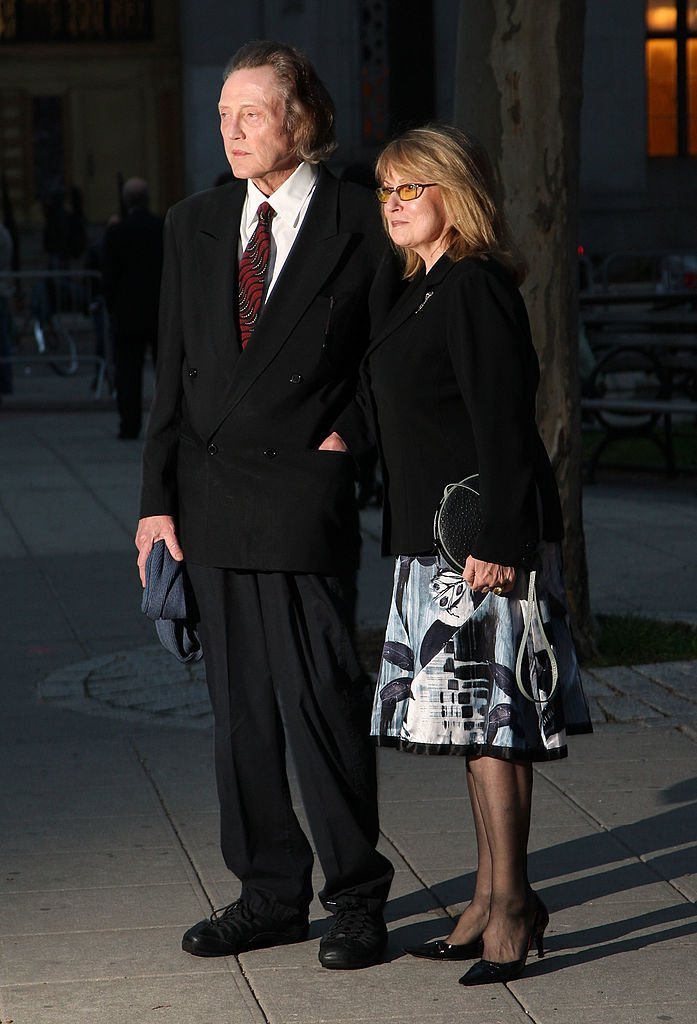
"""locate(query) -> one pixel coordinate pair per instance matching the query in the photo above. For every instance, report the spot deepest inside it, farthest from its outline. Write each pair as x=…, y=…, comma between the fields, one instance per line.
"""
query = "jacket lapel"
x=315, y=253
x=412, y=301
x=216, y=261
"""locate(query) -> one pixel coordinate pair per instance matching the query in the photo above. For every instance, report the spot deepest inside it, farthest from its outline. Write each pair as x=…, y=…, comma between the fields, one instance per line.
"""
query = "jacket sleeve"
x=496, y=367
x=356, y=424
x=159, y=486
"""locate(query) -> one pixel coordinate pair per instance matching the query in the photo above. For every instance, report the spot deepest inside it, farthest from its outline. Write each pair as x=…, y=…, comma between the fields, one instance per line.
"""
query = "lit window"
x=671, y=77
x=69, y=21
x=661, y=16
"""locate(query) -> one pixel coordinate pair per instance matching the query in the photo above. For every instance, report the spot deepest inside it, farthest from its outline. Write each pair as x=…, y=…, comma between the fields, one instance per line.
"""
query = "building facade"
x=639, y=126
x=93, y=89
x=89, y=91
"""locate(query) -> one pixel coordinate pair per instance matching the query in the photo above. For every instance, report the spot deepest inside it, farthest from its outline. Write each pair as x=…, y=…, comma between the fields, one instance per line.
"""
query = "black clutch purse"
x=457, y=521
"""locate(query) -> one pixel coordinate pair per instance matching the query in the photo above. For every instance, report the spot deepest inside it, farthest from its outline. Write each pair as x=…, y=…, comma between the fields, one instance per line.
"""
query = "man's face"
x=251, y=124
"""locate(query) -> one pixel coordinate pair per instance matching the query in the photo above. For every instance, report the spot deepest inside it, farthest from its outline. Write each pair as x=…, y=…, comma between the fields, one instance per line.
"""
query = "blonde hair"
x=459, y=165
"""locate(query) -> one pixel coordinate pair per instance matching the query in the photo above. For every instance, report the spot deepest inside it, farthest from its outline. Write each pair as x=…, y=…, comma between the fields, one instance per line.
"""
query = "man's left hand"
x=333, y=443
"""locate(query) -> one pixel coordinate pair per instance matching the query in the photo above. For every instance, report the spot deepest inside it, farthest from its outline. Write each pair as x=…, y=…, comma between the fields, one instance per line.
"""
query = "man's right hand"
x=150, y=530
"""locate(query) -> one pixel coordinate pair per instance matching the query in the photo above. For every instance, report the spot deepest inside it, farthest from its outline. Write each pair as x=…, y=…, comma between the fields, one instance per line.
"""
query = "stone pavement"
x=109, y=844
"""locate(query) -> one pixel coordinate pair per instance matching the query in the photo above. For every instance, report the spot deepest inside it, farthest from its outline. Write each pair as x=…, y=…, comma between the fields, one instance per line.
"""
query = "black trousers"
x=130, y=348
x=282, y=674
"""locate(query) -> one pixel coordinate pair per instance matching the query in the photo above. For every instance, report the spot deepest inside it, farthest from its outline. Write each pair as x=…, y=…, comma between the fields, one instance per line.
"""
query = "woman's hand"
x=488, y=576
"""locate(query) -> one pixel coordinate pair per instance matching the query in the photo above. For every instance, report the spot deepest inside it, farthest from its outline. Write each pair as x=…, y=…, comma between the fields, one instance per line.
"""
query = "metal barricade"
x=586, y=274
x=56, y=319
x=658, y=270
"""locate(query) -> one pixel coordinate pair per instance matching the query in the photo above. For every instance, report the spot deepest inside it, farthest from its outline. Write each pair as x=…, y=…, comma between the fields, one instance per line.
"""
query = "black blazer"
x=451, y=381
x=132, y=268
x=231, y=447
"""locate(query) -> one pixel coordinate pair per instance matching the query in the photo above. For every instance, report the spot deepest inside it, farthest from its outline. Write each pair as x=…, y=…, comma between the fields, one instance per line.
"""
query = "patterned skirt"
x=447, y=681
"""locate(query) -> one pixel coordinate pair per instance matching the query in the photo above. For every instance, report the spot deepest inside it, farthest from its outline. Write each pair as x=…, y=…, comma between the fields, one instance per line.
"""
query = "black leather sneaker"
x=236, y=929
x=356, y=938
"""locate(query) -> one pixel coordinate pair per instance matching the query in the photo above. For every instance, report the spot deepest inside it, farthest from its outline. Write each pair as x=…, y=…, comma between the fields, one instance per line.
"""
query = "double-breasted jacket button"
x=193, y=372
x=212, y=449
x=270, y=453
x=296, y=378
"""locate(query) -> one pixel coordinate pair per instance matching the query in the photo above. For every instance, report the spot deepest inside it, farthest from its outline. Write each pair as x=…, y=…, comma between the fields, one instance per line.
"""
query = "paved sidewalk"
x=109, y=844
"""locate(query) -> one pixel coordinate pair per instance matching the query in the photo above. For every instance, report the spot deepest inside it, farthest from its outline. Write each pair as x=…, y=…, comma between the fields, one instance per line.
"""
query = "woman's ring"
x=498, y=591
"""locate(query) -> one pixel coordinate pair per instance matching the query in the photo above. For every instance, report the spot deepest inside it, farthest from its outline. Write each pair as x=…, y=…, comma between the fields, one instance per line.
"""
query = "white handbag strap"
x=533, y=608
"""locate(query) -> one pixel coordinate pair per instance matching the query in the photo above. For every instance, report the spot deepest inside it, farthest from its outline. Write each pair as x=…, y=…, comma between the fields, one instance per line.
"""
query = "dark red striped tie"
x=253, y=266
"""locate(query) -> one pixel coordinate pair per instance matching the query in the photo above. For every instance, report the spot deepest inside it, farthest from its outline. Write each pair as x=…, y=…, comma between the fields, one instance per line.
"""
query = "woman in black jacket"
x=451, y=379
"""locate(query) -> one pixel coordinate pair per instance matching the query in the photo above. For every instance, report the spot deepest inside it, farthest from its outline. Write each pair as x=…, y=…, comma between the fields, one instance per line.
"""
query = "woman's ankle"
x=470, y=924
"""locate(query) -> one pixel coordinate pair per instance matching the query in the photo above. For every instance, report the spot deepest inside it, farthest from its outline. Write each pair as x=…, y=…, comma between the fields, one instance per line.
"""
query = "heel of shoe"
x=539, y=927
x=487, y=972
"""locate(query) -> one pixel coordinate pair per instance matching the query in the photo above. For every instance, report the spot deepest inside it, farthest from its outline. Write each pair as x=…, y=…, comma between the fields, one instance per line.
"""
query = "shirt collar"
x=288, y=200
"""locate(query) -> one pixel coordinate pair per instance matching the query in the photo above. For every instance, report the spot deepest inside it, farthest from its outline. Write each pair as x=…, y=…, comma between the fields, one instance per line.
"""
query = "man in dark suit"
x=271, y=287
x=132, y=267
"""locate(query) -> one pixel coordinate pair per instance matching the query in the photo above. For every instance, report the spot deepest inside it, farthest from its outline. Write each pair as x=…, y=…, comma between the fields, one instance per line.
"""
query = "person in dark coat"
x=272, y=285
x=450, y=382
x=6, y=295
x=132, y=268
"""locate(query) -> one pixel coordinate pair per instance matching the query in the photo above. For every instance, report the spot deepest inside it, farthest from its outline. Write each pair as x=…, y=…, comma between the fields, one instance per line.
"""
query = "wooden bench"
x=637, y=417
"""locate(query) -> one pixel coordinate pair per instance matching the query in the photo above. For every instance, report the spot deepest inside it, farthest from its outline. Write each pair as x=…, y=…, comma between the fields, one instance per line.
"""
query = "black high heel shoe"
x=486, y=972
x=447, y=951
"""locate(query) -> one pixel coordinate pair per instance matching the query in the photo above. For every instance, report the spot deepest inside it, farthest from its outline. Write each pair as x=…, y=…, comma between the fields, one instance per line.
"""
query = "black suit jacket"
x=451, y=381
x=231, y=448
x=132, y=268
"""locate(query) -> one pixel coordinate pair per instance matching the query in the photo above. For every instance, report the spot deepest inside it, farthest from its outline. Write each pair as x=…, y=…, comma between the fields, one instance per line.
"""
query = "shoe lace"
x=351, y=921
x=231, y=913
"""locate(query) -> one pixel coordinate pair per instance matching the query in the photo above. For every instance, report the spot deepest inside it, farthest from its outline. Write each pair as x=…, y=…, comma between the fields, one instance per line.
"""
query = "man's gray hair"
x=309, y=109
x=135, y=194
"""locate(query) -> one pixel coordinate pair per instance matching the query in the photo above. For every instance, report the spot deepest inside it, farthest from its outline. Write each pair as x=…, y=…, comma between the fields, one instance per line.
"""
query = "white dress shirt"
x=290, y=203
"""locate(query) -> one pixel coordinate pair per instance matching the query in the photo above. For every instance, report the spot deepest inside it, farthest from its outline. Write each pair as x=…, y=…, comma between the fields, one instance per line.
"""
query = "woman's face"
x=418, y=224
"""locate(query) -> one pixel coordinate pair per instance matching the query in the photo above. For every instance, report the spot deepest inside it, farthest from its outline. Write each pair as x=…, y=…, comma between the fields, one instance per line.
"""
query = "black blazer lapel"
x=311, y=261
x=216, y=261
x=412, y=301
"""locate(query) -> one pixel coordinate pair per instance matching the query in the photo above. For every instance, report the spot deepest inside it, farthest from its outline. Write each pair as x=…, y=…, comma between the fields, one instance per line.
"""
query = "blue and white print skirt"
x=447, y=680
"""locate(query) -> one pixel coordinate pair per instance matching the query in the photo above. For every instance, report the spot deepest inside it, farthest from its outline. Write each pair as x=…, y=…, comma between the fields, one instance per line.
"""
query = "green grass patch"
x=622, y=640
x=633, y=640
x=641, y=452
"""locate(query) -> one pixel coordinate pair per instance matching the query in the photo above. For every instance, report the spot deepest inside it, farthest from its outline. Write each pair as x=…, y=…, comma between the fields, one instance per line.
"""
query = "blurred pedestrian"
x=94, y=261
x=6, y=250
x=56, y=237
x=77, y=225
x=64, y=241
x=132, y=265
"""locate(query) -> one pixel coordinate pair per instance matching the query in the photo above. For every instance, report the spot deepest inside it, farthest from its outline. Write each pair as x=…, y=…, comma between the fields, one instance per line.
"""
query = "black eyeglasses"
x=405, y=192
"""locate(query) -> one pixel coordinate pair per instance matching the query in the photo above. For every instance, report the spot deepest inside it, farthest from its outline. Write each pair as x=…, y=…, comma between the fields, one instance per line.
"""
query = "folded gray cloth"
x=169, y=600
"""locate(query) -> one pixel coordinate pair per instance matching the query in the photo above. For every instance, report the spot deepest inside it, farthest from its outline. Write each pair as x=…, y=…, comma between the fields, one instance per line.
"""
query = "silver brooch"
x=427, y=296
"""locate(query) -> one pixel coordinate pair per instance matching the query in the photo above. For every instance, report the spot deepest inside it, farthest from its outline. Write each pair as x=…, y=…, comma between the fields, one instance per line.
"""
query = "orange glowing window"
x=671, y=77
x=661, y=97
x=692, y=97
x=74, y=21
x=661, y=16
